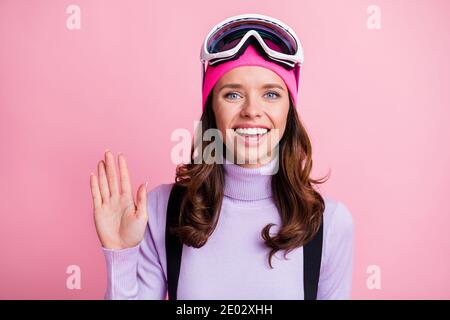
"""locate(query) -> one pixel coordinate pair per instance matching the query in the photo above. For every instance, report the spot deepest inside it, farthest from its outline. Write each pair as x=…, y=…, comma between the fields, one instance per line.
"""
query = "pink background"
x=375, y=102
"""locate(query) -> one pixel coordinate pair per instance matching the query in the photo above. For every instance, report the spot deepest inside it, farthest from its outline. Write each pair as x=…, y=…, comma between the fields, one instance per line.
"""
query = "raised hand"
x=119, y=220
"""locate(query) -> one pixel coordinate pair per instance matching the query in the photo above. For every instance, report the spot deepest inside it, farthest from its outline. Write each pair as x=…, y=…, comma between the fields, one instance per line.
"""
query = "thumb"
x=142, y=201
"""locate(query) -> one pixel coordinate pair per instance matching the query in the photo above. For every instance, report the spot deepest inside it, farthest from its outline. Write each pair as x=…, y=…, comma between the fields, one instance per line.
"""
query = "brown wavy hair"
x=299, y=204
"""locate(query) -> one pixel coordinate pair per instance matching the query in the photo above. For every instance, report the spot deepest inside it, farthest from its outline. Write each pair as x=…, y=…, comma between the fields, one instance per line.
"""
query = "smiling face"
x=251, y=105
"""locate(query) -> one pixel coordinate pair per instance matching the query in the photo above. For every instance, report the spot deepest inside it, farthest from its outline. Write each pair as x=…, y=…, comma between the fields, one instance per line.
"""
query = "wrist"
x=119, y=245
x=113, y=245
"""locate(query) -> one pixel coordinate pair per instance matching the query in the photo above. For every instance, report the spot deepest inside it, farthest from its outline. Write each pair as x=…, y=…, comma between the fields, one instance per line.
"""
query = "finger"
x=111, y=173
x=95, y=190
x=104, y=189
x=142, y=201
x=124, y=176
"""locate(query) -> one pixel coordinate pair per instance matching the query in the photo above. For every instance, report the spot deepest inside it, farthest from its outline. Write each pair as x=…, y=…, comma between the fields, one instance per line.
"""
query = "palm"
x=119, y=220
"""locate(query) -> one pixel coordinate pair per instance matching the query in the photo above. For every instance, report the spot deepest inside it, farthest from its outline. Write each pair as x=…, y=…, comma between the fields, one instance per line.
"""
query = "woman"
x=245, y=221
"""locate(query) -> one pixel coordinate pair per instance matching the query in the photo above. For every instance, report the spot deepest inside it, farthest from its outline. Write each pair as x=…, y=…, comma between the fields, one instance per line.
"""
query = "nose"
x=251, y=108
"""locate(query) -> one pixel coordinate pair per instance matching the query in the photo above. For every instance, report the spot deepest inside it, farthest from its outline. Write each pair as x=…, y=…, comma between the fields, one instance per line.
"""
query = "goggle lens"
x=277, y=40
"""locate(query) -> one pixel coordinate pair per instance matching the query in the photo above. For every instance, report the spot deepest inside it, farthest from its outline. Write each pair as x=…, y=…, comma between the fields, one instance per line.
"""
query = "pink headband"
x=251, y=57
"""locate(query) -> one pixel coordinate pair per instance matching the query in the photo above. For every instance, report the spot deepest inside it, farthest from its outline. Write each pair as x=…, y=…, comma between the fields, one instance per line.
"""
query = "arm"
x=136, y=273
x=336, y=273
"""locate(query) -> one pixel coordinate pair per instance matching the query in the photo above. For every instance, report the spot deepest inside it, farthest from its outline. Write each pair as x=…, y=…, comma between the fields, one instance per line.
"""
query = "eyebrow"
x=238, y=86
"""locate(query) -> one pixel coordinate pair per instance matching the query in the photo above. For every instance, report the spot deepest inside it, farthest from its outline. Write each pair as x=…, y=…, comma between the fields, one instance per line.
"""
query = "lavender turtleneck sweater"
x=233, y=263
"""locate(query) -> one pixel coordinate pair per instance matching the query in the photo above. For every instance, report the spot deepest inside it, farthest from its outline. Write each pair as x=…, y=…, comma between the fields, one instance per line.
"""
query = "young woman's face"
x=257, y=99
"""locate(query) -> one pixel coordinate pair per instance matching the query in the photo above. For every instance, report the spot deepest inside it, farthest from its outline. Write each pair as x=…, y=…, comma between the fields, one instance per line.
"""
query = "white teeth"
x=251, y=131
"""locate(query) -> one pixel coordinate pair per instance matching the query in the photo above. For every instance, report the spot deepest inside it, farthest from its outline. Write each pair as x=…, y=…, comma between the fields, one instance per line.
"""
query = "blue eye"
x=231, y=93
x=273, y=92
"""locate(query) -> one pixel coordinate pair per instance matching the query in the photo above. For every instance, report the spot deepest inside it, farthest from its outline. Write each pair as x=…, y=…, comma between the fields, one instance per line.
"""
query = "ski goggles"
x=226, y=39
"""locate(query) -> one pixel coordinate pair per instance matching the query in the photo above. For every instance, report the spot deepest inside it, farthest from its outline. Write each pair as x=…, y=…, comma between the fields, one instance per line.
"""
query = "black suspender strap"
x=173, y=244
x=312, y=256
x=312, y=251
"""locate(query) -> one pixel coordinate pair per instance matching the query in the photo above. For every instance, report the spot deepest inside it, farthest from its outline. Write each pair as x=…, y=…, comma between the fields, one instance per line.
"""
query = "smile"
x=251, y=132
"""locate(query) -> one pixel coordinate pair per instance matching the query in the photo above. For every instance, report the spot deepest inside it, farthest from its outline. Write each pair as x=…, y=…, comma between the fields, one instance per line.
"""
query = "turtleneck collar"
x=248, y=183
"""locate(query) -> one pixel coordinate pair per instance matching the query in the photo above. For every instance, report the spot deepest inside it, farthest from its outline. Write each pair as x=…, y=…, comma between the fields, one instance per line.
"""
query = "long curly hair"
x=300, y=206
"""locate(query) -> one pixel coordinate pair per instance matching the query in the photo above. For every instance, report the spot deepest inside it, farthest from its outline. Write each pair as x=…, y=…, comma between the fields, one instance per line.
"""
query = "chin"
x=251, y=156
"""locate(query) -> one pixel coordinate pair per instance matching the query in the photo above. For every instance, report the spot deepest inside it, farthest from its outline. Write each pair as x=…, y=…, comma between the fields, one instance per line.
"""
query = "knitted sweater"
x=233, y=263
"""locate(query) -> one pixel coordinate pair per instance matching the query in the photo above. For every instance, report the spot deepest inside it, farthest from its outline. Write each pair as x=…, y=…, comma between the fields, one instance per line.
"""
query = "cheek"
x=222, y=126
x=224, y=116
x=223, y=121
x=279, y=120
